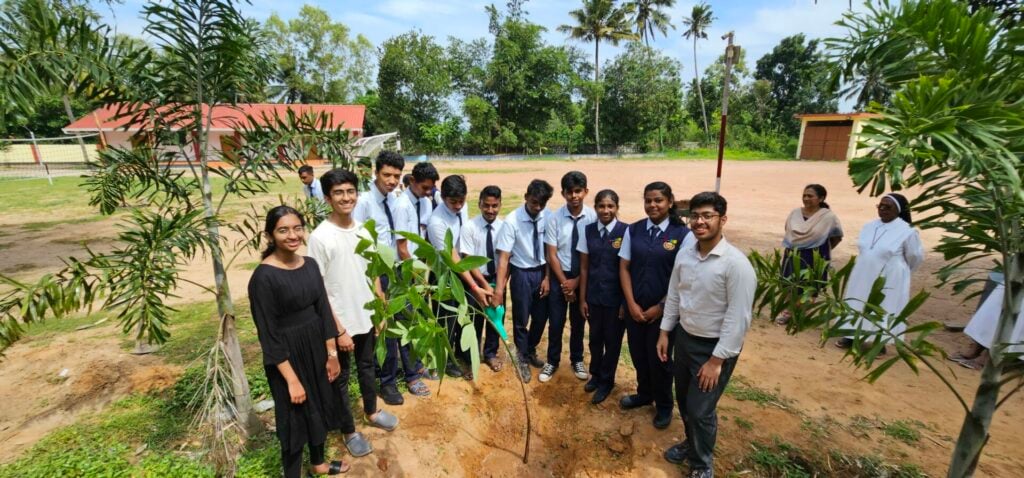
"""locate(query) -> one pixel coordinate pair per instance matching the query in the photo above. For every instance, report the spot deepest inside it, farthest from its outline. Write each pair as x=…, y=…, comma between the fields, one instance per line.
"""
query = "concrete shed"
x=830, y=136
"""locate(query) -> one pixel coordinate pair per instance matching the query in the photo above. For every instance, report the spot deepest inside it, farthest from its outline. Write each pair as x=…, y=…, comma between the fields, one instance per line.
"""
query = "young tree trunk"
x=974, y=432
x=597, y=98
x=700, y=93
x=228, y=336
x=71, y=119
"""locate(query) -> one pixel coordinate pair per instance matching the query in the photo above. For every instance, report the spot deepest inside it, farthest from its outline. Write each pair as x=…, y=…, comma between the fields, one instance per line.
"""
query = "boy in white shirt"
x=333, y=245
x=479, y=236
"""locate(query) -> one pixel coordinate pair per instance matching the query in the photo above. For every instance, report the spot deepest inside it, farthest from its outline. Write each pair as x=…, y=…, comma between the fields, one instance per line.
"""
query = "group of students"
x=681, y=295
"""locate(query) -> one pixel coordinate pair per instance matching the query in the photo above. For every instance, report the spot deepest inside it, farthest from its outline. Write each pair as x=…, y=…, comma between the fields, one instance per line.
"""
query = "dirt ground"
x=477, y=429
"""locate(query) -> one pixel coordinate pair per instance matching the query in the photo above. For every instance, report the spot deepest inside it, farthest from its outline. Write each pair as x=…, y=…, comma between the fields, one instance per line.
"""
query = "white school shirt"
x=412, y=204
x=442, y=220
x=474, y=239
x=516, y=238
x=711, y=297
x=582, y=246
x=344, y=273
x=314, y=190
x=371, y=206
x=558, y=232
x=625, y=252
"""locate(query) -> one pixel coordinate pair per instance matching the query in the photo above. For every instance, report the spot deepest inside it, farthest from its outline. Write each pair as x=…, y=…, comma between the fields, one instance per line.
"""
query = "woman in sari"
x=810, y=229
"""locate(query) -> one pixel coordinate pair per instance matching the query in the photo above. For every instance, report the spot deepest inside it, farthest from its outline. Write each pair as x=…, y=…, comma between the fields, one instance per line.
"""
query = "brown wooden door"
x=826, y=140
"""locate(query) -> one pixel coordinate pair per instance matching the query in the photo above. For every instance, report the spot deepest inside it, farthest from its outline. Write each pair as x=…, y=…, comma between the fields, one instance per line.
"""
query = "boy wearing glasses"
x=708, y=309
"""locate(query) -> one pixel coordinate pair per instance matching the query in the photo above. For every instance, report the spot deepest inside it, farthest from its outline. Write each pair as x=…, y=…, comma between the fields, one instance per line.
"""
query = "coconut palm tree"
x=598, y=21
x=649, y=18
x=696, y=27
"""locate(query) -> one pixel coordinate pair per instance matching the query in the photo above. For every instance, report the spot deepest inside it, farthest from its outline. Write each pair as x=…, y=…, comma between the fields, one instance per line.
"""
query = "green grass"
x=743, y=423
x=908, y=432
x=739, y=389
x=782, y=459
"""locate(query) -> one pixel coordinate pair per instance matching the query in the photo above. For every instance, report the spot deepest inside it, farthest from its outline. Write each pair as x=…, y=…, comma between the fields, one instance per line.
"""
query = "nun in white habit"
x=982, y=330
x=891, y=248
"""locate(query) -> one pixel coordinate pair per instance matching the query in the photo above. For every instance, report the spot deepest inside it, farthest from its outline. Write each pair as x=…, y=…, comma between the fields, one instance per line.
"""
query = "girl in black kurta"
x=297, y=333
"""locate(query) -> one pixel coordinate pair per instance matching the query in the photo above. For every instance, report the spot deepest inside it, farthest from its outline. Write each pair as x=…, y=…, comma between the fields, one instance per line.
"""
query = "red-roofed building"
x=225, y=121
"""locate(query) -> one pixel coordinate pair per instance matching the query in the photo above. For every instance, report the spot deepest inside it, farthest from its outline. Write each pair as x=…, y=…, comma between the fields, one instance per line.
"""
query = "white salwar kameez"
x=891, y=250
x=982, y=327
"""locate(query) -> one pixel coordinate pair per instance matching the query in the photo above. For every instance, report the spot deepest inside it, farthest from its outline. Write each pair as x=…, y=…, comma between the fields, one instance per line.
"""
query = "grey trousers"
x=698, y=408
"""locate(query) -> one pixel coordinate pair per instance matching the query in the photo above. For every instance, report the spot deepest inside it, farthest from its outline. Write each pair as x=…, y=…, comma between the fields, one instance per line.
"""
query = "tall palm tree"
x=597, y=21
x=649, y=18
x=696, y=27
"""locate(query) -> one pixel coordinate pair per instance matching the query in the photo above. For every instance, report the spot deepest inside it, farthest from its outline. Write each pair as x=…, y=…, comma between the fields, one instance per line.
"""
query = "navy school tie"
x=574, y=262
x=491, y=268
x=536, y=240
x=391, y=219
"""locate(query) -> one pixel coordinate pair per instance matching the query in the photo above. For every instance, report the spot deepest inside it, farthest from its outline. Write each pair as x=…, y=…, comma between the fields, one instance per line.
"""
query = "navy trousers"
x=557, y=325
x=698, y=409
x=485, y=331
x=529, y=309
x=606, y=330
x=653, y=377
x=388, y=371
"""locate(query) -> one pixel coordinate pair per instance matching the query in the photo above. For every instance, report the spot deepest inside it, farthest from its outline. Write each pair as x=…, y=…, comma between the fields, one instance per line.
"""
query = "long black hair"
x=820, y=191
x=904, y=205
x=273, y=216
x=666, y=190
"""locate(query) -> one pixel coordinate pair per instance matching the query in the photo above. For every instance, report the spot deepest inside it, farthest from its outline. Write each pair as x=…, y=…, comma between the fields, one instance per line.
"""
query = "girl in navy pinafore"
x=601, y=292
x=648, y=253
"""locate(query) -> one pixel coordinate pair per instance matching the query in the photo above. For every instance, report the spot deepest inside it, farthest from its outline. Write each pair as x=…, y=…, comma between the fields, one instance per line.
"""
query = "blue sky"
x=758, y=24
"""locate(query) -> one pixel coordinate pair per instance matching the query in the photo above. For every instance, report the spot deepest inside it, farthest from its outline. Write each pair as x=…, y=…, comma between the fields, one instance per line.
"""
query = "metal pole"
x=731, y=53
x=39, y=158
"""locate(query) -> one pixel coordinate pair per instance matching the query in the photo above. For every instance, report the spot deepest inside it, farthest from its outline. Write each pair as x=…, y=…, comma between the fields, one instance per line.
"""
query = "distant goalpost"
x=36, y=158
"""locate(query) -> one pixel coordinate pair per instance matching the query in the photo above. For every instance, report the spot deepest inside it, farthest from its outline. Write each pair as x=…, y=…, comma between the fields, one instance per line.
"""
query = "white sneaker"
x=580, y=370
x=547, y=372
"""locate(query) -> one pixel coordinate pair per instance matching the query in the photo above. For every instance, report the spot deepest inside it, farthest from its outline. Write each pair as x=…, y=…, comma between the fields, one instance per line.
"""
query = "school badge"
x=617, y=243
x=670, y=245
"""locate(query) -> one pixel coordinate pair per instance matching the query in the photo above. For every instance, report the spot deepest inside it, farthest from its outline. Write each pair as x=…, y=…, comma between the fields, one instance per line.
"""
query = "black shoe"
x=452, y=369
x=590, y=386
x=535, y=361
x=663, y=419
x=630, y=402
x=702, y=473
x=601, y=394
x=844, y=343
x=677, y=453
x=391, y=395
x=524, y=371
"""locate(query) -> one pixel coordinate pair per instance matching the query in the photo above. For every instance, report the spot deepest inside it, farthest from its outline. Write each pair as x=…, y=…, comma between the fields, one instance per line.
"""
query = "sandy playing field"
x=808, y=397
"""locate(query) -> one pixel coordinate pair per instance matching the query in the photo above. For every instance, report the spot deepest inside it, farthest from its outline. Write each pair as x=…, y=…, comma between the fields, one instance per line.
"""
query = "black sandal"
x=335, y=468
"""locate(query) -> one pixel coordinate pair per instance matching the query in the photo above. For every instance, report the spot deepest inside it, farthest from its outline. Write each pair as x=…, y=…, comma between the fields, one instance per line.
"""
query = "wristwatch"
x=332, y=353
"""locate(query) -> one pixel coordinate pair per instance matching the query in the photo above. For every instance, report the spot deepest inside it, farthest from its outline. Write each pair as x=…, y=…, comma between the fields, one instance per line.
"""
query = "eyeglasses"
x=284, y=230
x=706, y=217
x=883, y=207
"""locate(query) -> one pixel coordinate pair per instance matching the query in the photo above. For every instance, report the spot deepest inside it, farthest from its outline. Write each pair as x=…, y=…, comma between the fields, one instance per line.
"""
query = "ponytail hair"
x=674, y=216
x=274, y=215
x=903, y=204
x=821, y=192
x=606, y=193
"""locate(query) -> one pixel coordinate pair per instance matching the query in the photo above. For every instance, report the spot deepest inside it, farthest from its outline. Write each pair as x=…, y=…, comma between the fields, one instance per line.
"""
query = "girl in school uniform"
x=601, y=293
x=648, y=252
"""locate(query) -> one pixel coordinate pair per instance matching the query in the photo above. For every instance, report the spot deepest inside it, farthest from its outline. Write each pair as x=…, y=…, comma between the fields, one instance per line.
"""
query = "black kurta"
x=294, y=321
